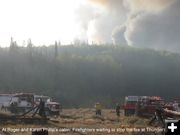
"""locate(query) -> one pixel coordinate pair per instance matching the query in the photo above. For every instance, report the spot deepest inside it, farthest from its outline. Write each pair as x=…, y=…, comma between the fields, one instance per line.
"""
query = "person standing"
x=42, y=108
x=137, y=110
x=158, y=115
x=176, y=106
x=118, y=109
x=98, y=108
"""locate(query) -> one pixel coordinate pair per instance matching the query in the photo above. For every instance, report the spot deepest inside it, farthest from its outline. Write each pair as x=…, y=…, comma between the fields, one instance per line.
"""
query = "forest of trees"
x=80, y=75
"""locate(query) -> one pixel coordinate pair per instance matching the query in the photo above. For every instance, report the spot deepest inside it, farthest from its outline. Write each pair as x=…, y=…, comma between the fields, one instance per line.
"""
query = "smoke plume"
x=155, y=28
x=141, y=23
x=104, y=17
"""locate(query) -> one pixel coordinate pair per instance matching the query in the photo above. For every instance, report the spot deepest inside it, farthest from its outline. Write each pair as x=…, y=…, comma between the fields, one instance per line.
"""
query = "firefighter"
x=42, y=108
x=118, y=109
x=14, y=108
x=159, y=115
x=2, y=107
x=138, y=107
x=98, y=108
x=176, y=107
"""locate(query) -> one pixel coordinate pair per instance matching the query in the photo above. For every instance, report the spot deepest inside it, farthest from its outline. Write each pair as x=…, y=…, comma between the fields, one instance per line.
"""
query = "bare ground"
x=84, y=122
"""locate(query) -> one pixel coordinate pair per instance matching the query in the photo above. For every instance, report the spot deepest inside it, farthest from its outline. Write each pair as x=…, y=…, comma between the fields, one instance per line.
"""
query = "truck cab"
x=51, y=107
x=130, y=105
x=21, y=102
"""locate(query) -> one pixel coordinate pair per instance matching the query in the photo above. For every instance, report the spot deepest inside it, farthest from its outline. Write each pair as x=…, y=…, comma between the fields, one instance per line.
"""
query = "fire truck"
x=51, y=107
x=20, y=103
x=143, y=105
x=5, y=100
x=147, y=105
x=130, y=105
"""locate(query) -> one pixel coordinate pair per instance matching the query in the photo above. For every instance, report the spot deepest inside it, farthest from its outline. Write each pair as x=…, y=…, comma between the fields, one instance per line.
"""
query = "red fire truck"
x=142, y=105
x=148, y=104
x=130, y=105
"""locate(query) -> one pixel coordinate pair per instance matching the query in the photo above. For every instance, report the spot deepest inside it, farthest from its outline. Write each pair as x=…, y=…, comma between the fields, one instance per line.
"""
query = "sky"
x=44, y=21
x=139, y=23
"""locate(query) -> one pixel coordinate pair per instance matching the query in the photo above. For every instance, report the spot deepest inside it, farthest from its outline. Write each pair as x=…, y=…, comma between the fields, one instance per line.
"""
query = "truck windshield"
x=130, y=102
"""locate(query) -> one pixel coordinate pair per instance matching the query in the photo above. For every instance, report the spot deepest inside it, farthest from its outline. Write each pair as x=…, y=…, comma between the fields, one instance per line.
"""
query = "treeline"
x=79, y=76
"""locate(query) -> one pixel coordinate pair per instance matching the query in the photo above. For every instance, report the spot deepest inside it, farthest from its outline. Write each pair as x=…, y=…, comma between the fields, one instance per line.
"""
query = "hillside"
x=81, y=75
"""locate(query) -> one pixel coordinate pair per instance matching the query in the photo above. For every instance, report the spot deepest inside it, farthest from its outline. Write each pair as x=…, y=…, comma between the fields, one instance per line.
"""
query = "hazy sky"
x=141, y=23
x=44, y=21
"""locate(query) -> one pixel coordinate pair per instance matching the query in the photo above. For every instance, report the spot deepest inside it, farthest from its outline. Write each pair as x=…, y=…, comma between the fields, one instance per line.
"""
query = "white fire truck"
x=5, y=100
x=22, y=102
x=51, y=107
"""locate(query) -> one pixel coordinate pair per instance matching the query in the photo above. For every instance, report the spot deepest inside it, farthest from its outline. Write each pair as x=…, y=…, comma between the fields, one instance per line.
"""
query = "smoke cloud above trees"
x=139, y=23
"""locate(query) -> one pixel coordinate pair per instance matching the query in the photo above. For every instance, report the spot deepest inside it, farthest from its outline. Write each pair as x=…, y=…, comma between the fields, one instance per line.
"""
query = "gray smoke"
x=85, y=14
x=103, y=20
x=118, y=35
x=156, y=30
x=141, y=23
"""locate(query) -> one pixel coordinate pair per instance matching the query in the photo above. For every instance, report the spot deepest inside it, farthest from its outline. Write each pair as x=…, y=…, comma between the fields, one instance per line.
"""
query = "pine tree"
x=13, y=46
x=30, y=50
x=56, y=50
